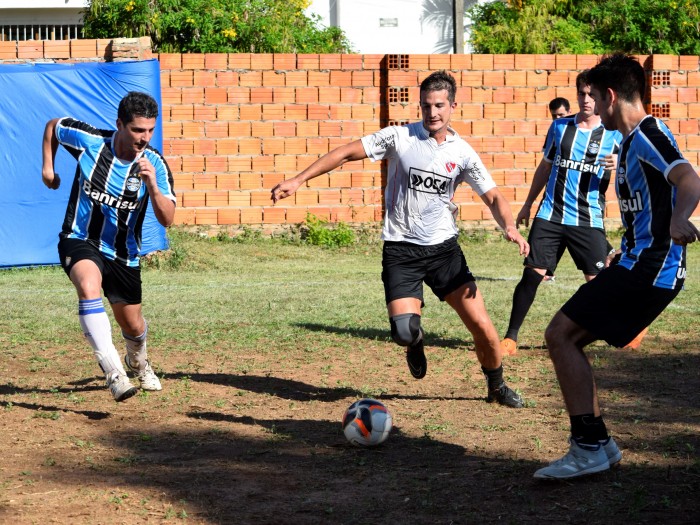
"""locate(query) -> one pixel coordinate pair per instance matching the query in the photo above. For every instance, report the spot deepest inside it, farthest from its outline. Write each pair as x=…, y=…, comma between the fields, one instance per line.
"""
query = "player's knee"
x=405, y=329
x=556, y=337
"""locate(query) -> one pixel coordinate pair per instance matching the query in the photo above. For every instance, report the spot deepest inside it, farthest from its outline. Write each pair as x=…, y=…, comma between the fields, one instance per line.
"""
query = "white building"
x=372, y=26
x=40, y=19
x=393, y=26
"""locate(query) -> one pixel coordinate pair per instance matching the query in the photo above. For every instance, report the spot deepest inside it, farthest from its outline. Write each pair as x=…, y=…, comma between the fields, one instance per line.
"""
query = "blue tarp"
x=31, y=94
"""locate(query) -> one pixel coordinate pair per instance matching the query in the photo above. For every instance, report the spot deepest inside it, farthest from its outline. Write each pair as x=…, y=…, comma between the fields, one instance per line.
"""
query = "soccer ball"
x=367, y=423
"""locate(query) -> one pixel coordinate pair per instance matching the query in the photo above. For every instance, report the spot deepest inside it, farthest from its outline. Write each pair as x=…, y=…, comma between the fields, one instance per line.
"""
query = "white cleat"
x=120, y=387
x=147, y=377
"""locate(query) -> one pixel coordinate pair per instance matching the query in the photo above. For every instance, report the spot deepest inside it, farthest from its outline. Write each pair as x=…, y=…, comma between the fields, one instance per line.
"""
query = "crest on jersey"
x=450, y=166
x=620, y=174
x=133, y=183
x=594, y=148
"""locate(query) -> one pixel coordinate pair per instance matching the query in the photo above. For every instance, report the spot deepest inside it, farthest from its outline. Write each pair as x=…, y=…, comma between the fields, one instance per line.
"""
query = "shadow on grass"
x=296, y=468
x=47, y=409
x=296, y=390
x=10, y=390
x=243, y=469
x=85, y=385
x=373, y=334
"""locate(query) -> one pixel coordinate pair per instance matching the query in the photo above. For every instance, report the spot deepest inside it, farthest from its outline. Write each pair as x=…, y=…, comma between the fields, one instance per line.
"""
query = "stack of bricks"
x=237, y=124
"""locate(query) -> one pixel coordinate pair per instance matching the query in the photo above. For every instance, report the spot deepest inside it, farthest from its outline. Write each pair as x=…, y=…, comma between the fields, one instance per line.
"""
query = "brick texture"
x=234, y=125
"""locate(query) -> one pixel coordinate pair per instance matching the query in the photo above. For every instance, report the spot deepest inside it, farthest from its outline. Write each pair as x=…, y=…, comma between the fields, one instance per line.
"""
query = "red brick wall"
x=236, y=124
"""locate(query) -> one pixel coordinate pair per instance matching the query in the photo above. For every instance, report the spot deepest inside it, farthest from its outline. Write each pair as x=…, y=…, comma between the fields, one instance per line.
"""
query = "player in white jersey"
x=427, y=161
x=118, y=173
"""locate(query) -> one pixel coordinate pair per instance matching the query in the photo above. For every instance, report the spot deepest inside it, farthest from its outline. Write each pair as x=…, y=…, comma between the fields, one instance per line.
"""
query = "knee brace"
x=405, y=329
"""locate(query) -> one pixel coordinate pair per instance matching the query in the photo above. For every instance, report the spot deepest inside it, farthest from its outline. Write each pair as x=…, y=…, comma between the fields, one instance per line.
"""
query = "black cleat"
x=415, y=357
x=506, y=397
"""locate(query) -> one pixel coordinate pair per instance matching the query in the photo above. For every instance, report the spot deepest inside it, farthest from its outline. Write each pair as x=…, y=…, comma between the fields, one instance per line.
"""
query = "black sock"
x=588, y=429
x=523, y=297
x=494, y=377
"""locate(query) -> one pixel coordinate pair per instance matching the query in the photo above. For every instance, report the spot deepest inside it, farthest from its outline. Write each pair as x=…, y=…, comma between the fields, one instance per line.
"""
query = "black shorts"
x=121, y=284
x=405, y=266
x=616, y=306
x=587, y=246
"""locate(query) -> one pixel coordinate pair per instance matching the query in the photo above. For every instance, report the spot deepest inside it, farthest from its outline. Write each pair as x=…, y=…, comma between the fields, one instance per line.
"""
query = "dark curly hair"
x=137, y=104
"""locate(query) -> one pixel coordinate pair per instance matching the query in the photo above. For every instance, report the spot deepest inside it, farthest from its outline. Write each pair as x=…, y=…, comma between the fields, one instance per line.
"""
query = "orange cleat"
x=635, y=343
x=509, y=347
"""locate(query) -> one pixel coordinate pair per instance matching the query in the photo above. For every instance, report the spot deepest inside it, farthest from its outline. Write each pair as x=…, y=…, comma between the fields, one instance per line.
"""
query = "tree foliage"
x=214, y=26
x=587, y=26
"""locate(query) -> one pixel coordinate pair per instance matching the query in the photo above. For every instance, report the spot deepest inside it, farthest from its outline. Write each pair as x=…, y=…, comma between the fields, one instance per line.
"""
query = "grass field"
x=261, y=345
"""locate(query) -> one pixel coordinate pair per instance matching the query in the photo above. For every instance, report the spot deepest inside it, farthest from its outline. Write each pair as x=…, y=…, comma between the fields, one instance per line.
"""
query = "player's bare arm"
x=500, y=209
x=683, y=231
x=49, y=148
x=539, y=181
x=330, y=161
x=163, y=208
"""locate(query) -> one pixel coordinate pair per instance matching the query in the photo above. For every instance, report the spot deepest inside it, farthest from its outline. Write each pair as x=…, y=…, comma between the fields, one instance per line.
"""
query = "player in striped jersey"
x=575, y=173
x=117, y=175
x=657, y=190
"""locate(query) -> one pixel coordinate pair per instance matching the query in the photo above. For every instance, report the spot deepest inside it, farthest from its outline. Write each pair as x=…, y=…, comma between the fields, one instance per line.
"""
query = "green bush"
x=587, y=26
x=214, y=26
x=319, y=233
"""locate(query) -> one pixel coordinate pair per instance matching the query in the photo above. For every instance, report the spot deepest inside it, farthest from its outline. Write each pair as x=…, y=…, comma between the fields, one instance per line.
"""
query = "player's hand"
x=513, y=235
x=51, y=180
x=684, y=233
x=147, y=172
x=284, y=189
x=610, y=162
x=613, y=258
x=523, y=216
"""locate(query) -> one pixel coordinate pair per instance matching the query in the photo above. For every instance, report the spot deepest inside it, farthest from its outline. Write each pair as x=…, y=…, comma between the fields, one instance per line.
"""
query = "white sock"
x=98, y=331
x=136, y=348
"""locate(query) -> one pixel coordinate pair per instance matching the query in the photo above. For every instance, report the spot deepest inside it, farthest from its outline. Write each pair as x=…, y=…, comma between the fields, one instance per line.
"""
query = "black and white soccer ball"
x=367, y=423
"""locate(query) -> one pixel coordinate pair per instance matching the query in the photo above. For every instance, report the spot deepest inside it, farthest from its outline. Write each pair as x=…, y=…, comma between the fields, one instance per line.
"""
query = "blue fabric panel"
x=30, y=95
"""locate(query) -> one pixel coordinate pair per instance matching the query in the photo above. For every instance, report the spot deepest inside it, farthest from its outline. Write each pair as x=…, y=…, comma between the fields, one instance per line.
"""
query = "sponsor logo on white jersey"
x=427, y=182
x=386, y=143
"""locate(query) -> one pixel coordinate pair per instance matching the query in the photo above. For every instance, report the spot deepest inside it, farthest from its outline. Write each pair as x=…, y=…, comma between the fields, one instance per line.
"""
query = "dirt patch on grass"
x=266, y=446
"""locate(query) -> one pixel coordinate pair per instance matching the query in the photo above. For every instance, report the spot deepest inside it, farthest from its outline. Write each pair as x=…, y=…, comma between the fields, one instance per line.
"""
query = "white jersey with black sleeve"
x=421, y=181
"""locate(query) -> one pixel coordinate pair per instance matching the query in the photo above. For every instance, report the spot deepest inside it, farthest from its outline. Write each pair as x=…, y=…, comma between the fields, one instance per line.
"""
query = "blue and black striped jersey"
x=108, y=201
x=577, y=182
x=647, y=200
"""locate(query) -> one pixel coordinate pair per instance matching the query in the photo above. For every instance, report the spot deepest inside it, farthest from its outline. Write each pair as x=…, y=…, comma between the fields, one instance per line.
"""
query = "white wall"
x=40, y=12
x=361, y=22
x=43, y=4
